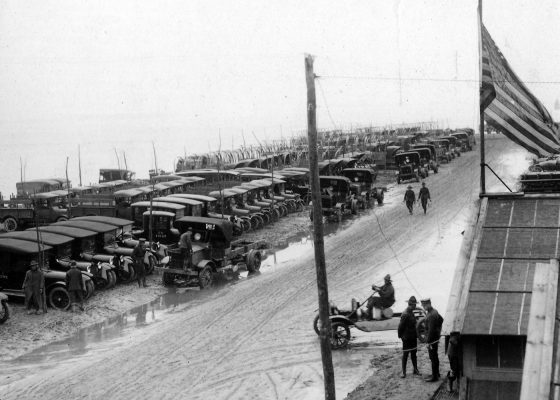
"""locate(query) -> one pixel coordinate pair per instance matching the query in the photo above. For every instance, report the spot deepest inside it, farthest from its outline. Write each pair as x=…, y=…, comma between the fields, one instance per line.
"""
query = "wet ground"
x=253, y=339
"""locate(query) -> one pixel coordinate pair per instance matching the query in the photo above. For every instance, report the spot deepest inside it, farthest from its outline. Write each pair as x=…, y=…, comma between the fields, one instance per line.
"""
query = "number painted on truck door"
x=210, y=227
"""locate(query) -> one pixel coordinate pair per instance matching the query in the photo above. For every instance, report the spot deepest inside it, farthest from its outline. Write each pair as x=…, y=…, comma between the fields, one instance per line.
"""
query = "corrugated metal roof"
x=516, y=234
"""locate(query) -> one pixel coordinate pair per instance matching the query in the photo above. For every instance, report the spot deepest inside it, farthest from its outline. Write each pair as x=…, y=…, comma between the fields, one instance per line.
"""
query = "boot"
x=403, y=374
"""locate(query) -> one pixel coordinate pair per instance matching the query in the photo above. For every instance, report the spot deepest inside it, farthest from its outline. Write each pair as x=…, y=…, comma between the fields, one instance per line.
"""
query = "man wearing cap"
x=75, y=286
x=434, y=322
x=185, y=244
x=34, y=288
x=386, y=296
x=138, y=257
x=409, y=198
x=424, y=196
x=407, y=333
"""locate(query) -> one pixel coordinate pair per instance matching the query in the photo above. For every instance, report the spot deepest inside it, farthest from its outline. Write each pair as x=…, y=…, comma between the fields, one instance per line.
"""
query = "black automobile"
x=16, y=257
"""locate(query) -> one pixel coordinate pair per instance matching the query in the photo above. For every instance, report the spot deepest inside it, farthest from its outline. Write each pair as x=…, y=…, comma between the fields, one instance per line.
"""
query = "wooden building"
x=503, y=299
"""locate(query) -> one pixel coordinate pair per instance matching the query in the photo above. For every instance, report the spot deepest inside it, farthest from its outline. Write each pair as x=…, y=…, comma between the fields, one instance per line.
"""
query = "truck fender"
x=341, y=319
x=203, y=263
x=55, y=284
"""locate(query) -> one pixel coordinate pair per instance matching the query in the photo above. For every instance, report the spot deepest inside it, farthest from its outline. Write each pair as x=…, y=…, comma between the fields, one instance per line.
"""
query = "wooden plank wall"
x=537, y=368
x=457, y=304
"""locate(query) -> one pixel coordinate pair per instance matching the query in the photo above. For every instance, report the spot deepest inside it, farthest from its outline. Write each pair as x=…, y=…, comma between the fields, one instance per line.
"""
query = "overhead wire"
x=326, y=104
x=428, y=79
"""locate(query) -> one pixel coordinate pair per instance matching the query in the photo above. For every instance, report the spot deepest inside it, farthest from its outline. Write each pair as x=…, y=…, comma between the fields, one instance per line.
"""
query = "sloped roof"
x=515, y=233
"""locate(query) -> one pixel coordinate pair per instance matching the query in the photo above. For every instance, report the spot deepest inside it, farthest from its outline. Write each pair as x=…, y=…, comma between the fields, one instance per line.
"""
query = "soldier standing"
x=34, y=288
x=407, y=333
x=409, y=199
x=138, y=257
x=75, y=286
x=185, y=244
x=434, y=322
x=424, y=196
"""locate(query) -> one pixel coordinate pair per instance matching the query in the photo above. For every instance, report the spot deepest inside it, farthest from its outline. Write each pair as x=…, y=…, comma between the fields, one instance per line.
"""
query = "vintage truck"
x=41, y=208
x=215, y=254
x=365, y=178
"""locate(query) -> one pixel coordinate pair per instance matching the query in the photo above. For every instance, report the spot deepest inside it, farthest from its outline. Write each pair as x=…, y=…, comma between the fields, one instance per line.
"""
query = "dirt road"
x=254, y=339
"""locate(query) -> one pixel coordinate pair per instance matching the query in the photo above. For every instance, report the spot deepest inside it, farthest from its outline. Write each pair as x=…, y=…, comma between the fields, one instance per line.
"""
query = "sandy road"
x=253, y=339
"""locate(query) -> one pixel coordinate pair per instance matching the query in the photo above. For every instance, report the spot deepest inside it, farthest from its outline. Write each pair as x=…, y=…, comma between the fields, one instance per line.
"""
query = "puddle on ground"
x=103, y=336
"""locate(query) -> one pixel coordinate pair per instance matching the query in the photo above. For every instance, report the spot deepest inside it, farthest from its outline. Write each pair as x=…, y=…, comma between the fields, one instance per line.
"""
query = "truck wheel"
x=4, y=312
x=168, y=279
x=380, y=198
x=316, y=324
x=253, y=261
x=10, y=224
x=111, y=279
x=59, y=219
x=245, y=225
x=59, y=298
x=338, y=216
x=151, y=264
x=90, y=289
x=340, y=335
x=422, y=330
x=205, y=277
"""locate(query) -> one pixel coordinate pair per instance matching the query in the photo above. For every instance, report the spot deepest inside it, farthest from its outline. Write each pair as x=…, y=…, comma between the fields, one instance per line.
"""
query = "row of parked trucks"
x=102, y=248
x=422, y=155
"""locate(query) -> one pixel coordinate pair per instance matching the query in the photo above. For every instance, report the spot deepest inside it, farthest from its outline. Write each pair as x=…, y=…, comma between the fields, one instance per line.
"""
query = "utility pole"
x=481, y=112
x=318, y=237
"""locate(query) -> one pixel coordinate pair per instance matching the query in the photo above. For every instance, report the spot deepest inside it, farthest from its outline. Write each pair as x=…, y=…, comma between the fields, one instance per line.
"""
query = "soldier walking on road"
x=434, y=322
x=409, y=199
x=424, y=196
x=138, y=256
x=34, y=288
x=407, y=333
x=75, y=286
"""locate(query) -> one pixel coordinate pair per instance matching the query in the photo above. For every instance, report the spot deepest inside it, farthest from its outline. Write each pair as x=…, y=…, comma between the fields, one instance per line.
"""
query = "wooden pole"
x=481, y=111
x=79, y=165
x=318, y=239
x=68, y=190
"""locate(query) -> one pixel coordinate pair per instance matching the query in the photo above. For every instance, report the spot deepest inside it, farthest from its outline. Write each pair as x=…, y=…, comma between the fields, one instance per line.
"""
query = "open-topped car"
x=215, y=253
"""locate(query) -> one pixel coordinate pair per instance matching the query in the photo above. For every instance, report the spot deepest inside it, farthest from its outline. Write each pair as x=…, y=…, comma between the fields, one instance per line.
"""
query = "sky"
x=193, y=76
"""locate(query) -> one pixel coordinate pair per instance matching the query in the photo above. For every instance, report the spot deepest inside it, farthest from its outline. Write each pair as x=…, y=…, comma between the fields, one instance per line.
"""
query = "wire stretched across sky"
x=430, y=79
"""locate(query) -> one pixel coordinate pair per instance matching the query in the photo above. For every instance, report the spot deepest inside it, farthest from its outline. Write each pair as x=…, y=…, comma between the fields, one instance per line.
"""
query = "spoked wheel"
x=340, y=335
x=59, y=298
x=422, y=330
x=151, y=265
x=246, y=225
x=111, y=278
x=205, y=277
x=10, y=224
x=255, y=222
x=90, y=289
x=316, y=324
x=299, y=206
x=4, y=312
x=275, y=215
x=253, y=261
x=266, y=218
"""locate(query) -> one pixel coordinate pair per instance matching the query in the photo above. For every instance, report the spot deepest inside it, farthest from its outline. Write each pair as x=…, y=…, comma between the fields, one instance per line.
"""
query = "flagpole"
x=481, y=111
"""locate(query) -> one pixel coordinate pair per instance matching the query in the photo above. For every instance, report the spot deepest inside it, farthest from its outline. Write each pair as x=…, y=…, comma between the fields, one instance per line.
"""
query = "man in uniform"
x=434, y=322
x=138, y=257
x=185, y=244
x=34, y=288
x=424, y=196
x=409, y=199
x=407, y=333
x=386, y=296
x=75, y=286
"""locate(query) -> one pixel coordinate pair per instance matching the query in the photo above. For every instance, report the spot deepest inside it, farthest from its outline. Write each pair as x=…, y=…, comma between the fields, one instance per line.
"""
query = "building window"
x=500, y=351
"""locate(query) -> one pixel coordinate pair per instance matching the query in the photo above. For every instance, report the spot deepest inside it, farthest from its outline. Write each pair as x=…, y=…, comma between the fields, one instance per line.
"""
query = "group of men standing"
x=423, y=198
x=407, y=332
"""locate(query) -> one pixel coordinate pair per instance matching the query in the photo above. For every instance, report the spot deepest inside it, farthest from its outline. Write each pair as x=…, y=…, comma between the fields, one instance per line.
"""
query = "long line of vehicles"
x=98, y=226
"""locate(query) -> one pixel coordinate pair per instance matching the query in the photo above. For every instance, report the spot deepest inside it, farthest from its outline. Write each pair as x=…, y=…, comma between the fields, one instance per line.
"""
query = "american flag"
x=510, y=107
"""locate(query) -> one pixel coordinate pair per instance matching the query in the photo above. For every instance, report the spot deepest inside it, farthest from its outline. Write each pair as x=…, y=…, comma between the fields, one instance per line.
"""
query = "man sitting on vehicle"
x=185, y=244
x=385, y=299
